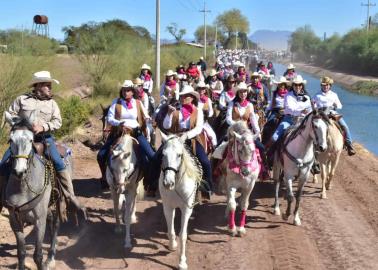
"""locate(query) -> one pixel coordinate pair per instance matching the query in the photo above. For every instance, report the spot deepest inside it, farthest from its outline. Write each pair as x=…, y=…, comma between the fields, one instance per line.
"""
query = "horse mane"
x=297, y=130
x=239, y=127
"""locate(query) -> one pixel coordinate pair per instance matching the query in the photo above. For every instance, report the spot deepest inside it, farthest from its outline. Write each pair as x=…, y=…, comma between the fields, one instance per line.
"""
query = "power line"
x=204, y=10
x=368, y=5
x=185, y=6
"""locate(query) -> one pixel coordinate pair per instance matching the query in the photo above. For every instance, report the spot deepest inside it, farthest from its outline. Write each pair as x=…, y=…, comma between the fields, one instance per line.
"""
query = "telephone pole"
x=368, y=5
x=204, y=24
x=157, y=58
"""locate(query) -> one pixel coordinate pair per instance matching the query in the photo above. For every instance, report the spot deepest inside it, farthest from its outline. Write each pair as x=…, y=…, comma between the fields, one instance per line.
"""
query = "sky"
x=330, y=16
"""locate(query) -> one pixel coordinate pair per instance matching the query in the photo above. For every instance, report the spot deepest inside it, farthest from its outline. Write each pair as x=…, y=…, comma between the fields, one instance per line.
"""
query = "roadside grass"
x=366, y=87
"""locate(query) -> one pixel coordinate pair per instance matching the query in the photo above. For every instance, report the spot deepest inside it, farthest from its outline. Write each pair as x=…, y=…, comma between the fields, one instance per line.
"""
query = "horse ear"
x=12, y=119
x=164, y=137
x=116, y=153
x=237, y=136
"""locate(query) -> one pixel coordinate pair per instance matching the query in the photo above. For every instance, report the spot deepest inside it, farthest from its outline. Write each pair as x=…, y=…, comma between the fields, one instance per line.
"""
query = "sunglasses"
x=297, y=84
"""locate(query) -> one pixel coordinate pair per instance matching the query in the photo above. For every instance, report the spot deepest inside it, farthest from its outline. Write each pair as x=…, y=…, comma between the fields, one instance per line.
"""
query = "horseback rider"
x=188, y=121
x=169, y=89
x=290, y=73
x=148, y=84
x=271, y=69
x=140, y=93
x=275, y=106
x=202, y=63
x=181, y=74
x=241, y=75
x=126, y=115
x=228, y=70
x=215, y=85
x=193, y=71
x=259, y=96
x=327, y=98
x=48, y=119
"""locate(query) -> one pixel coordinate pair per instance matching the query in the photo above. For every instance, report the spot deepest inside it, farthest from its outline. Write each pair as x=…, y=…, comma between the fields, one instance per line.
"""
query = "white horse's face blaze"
x=245, y=146
x=172, y=157
x=21, y=144
x=319, y=133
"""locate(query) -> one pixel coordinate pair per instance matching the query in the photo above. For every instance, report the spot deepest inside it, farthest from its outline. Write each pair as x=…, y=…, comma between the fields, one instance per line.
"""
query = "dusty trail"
x=340, y=232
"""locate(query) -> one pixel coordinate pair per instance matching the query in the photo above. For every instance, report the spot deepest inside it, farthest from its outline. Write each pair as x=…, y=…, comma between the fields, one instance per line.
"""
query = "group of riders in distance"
x=218, y=116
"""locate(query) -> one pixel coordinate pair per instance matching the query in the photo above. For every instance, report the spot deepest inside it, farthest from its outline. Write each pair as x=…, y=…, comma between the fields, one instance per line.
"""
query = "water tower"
x=41, y=25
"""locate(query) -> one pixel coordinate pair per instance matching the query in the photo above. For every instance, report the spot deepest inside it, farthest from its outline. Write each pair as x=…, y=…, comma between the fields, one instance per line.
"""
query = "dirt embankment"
x=340, y=232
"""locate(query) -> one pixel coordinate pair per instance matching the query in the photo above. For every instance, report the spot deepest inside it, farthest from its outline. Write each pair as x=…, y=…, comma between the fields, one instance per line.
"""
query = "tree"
x=232, y=21
x=304, y=43
x=210, y=34
x=175, y=32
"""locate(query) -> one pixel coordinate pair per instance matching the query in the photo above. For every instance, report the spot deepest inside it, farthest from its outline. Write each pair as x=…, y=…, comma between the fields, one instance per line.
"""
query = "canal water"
x=359, y=111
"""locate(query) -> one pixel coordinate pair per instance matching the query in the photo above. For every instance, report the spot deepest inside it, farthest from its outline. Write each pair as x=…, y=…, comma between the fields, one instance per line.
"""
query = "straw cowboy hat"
x=299, y=80
x=188, y=90
x=127, y=84
x=326, y=80
x=283, y=80
x=213, y=72
x=242, y=86
x=138, y=81
x=170, y=73
x=145, y=66
x=290, y=66
x=256, y=74
x=42, y=76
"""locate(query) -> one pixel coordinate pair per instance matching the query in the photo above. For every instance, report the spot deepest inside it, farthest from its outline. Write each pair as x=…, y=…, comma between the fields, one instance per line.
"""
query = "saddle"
x=40, y=148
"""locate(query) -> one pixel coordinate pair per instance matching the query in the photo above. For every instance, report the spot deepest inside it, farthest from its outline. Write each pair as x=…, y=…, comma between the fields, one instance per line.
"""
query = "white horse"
x=297, y=159
x=242, y=171
x=178, y=185
x=330, y=158
x=122, y=175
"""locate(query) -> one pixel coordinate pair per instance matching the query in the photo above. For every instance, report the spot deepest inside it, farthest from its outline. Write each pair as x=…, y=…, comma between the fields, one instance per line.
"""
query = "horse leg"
x=324, y=176
x=289, y=196
x=185, y=215
x=277, y=210
x=54, y=227
x=169, y=214
x=244, y=203
x=130, y=201
x=297, y=220
x=133, y=212
x=20, y=238
x=332, y=170
x=231, y=205
x=116, y=199
x=40, y=228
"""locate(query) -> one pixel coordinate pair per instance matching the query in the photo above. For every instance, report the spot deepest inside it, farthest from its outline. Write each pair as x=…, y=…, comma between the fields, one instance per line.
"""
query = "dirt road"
x=340, y=232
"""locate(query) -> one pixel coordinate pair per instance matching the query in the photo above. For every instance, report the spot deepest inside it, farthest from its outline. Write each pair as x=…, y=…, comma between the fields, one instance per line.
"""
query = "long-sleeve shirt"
x=128, y=116
x=185, y=124
x=253, y=119
x=149, y=85
x=207, y=106
x=46, y=112
x=328, y=99
x=294, y=106
x=279, y=103
x=224, y=100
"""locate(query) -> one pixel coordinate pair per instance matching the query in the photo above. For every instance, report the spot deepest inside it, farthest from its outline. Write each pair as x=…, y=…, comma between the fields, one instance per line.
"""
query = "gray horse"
x=28, y=192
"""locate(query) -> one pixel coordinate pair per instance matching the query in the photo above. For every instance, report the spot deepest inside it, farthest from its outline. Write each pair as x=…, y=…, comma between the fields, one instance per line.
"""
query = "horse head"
x=319, y=128
x=244, y=145
x=21, y=141
x=122, y=161
x=173, y=153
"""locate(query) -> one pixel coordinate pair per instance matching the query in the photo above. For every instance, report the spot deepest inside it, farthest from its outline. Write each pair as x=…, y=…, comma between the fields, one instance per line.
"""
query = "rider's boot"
x=103, y=182
x=66, y=181
x=350, y=148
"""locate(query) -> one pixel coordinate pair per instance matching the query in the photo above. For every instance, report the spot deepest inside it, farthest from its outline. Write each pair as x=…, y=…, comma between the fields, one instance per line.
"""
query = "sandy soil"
x=340, y=232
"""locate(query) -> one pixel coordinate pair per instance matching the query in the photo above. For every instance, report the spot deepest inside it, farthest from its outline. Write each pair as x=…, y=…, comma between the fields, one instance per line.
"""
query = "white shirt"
x=148, y=85
x=210, y=106
x=224, y=100
x=294, y=107
x=279, y=103
x=216, y=86
x=253, y=118
x=128, y=116
x=322, y=100
x=185, y=124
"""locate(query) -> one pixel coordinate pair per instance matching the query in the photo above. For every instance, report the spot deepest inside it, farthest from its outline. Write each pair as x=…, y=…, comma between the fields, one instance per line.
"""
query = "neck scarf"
x=129, y=103
x=243, y=103
x=230, y=93
x=187, y=110
x=203, y=98
x=256, y=84
x=147, y=77
x=282, y=92
x=171, y=84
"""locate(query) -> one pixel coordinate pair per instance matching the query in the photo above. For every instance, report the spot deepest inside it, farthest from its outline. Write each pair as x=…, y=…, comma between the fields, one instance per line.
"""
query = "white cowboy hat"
x=242, y=86
x=290, y=66
x=187, y=89
x=145, y=66
x=201, y=84
x=256, y=74
x=138, y=81
x=299, y=80
x=213, y=72
x=42, y=76
x=241, y=64
x=170, y=73
x=127, y=84
x=283, y=80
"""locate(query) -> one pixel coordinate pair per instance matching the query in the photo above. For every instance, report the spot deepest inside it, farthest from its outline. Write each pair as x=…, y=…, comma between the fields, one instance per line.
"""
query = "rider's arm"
x=199, y=125
x=111, y=114
x=337, y=102
x=15, y=107
x=151, y=86
x=253, y=119
x=222, y=101
x=229, y=114
x=211, y=111
x=56, y=119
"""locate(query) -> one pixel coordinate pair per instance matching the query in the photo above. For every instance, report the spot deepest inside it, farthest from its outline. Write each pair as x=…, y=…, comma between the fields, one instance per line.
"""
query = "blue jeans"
x=50, y=151
x=286, y=122
x=344, y=125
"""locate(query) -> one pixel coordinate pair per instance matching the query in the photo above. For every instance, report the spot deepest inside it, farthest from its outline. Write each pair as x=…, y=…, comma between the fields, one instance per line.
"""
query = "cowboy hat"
x=299, y=80
x=213, y=72
x=188, y=90
x=201, y=84
x=326, y=80
x=42, y=76
x=242, y=86
x=283, y=80
x=256, y=74
x=145, y=66
x=241, y=64
x=127, y=84
x=290, y=66
x=138, y=81
x=170, y=73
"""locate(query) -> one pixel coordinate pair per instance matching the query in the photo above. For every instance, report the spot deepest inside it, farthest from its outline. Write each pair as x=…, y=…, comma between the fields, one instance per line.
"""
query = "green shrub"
x=366, y=87
x=74, y=112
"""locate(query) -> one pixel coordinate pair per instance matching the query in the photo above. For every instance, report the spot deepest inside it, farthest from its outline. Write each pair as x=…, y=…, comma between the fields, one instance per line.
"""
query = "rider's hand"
x=37, y=128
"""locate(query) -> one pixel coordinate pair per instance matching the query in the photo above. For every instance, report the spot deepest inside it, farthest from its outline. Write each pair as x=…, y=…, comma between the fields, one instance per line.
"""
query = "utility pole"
x=215, y=40
x=204, y=24
x=236, y=40
x=157, y=63
x=368, y=5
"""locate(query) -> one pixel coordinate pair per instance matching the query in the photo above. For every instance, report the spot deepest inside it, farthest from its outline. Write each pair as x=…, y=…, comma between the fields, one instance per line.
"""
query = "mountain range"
x=271, y=40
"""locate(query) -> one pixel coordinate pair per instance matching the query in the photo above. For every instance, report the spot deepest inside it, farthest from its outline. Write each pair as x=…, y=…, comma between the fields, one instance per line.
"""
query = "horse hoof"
x=233, y=231
x=242, y=231
x=285, y=217
x=50, y=264
x=277, y=212
x=183, y=266
x=118, y=230
x=297, y=222
x=172, y=246
x=323, y=196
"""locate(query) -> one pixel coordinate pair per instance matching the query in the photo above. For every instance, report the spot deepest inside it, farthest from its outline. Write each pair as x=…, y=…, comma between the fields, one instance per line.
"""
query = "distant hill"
x=271, y=40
